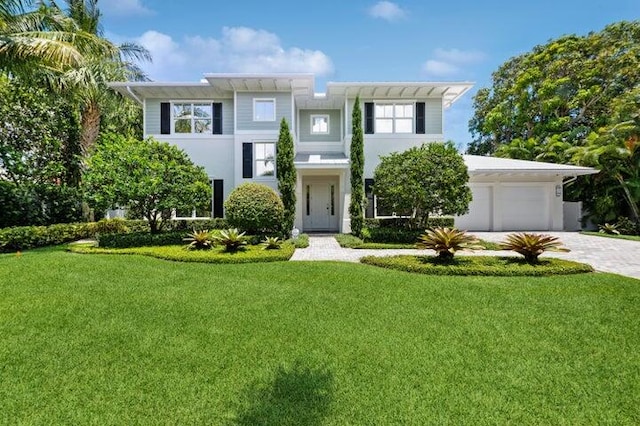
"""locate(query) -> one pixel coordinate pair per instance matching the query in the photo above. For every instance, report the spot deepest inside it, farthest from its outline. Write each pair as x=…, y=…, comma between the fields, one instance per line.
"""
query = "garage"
x=516, y=195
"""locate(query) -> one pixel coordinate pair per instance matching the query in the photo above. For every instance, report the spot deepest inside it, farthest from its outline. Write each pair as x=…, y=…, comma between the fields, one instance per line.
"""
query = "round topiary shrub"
x=254, y=208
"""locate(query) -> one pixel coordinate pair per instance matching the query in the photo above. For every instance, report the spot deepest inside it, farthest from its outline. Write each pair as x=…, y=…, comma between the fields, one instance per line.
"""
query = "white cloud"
x=387, y=10
x=239, y=49
x=124, y=8
x=450, y=62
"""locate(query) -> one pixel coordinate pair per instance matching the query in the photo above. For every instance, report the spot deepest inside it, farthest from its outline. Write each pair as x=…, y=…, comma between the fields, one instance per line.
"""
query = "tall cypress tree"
x=357, y=171
x=286, y=174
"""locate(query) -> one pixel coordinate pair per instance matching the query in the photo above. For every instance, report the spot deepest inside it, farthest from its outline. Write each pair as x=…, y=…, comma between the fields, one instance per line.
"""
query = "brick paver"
x=604, y=254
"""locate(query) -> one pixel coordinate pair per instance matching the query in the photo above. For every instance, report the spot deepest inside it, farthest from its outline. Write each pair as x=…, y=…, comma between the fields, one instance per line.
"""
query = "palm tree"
x=35, y=37
x=88, y=81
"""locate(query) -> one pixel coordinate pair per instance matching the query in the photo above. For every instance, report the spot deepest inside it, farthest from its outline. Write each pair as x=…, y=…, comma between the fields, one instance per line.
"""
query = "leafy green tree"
x=356, y=207
x=39, y=163
x=287, y=176
x=149, y=178
x=431, y=178
x=563, y=88
x=615, y=150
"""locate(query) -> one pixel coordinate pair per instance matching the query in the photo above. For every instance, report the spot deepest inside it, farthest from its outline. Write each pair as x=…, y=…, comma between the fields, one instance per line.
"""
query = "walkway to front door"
x=320, y=205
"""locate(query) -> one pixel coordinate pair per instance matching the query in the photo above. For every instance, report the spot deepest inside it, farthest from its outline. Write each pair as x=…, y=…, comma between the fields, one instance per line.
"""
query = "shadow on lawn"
x=297, y=395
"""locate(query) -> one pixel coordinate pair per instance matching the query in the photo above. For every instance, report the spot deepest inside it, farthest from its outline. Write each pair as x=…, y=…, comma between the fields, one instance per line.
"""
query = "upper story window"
x=394, y=118
x=265, y=159
x=192, y=117
x=319, y=124
x=264, y=110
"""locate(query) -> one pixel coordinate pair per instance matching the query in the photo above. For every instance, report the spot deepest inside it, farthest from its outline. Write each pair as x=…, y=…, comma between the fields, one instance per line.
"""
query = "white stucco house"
x=229, y=124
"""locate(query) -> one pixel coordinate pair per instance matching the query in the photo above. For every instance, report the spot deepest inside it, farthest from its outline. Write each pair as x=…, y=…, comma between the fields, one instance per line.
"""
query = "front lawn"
x=109, y=339
x=620, y=237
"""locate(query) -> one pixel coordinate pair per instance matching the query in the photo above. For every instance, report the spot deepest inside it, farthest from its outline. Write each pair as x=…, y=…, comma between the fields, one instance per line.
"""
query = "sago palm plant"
x=447, y=241
x=231, y=239
x=199, y=240
x=532, y=245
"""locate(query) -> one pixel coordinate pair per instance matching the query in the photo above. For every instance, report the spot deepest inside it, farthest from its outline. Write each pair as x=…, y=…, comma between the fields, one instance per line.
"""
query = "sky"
x=353, y=40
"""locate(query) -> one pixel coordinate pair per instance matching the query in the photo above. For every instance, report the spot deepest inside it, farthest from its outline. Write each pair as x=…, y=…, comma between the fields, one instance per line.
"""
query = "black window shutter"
x=217, y=118
x=218, y=197
x=247, y=160
x=368, y=118
x=165, y=118
x=368, y=190
x=420, y=118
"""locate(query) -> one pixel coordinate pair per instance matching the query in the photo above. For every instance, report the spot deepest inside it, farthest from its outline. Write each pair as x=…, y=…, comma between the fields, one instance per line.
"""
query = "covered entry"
x=320, y=200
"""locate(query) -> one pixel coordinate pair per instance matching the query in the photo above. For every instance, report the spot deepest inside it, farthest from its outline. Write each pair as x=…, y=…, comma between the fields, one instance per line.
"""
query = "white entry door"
x=320, y=205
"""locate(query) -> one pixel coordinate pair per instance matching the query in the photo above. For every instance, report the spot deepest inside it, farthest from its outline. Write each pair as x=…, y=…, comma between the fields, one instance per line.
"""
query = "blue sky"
x=353, y=40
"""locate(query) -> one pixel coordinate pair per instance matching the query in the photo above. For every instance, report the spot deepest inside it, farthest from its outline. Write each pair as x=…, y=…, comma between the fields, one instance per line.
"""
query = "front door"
x=320, y=205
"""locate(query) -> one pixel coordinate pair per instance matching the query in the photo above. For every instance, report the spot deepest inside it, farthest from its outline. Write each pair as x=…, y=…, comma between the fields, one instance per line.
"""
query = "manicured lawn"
x=108, y=339
x=621, y=237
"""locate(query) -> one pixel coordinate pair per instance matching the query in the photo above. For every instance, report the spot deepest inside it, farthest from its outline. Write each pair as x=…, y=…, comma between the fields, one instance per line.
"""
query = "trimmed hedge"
x=141, y=239
x=197, y=224
x=178, y=253
x=301, y=242
x=255, y=208
x=396, y=230
x=28, y=237
x=478, y=265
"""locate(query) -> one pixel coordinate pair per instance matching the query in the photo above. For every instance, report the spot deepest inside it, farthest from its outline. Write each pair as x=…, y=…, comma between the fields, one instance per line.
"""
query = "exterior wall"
x=377, y=145
x=152, y=116
x=335, y=126
x=244, y=110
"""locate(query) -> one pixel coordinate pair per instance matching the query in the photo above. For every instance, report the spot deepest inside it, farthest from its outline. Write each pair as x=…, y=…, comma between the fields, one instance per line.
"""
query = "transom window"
x=264, y=110
x=319, y=124
x=265, y=159
x=192, y=117
x=394, y=118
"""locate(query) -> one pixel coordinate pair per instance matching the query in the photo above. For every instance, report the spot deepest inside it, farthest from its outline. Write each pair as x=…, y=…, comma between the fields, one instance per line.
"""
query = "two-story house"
x=229, y=124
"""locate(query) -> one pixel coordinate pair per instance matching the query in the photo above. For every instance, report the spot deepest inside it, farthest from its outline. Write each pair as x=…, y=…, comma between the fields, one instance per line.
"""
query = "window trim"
x=210, y=102
x=394, y=118
x=256, y=159
x=273, y=100
x=312, y=116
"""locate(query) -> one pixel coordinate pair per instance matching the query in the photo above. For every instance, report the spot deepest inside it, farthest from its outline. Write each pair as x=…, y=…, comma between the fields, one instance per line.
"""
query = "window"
x=192, y=117
x=394, y=118
x=319, y=124
x=265, y=159
x=264, y=110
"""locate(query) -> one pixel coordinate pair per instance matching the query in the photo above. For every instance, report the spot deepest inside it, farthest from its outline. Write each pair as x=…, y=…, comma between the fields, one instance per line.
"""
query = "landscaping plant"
x=356, y=156
x=287, y=176
x=447, y=241
x=255, y=208
x=271, y=243
x=232, y=239
x=609, y=228
x=532, y=245
x=199, y=240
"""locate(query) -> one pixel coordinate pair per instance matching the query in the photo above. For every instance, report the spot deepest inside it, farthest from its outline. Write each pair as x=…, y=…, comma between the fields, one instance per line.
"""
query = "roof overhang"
x=163, y=90
x=495, y=166
x=321, y=161
x=448, y=91
x=297, y=83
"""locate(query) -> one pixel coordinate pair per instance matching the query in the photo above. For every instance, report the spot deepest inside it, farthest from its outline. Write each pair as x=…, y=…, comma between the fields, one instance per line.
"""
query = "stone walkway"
x=604, y=254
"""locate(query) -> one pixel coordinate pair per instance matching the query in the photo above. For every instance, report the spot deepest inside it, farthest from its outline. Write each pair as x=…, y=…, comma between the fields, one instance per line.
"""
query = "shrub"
x=627, y=226
x=140, y=239
x=199, y=240
x=447, y=241
x=255, y=208
x=532, y=245
x=392, y=235
x=271, y=243
x=231, y=239
x=196, y=224
x=301, y=242
x=28, y=237
x=609, y=228
x=477, y=265
x=406, y=223
x=110, y=226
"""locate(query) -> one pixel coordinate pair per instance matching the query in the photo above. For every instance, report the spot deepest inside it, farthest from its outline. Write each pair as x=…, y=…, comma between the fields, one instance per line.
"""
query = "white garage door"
x=480, y=213
x=524, y=208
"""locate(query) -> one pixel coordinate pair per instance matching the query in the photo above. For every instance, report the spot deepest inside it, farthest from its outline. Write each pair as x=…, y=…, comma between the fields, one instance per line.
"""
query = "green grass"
x=179, y=253
x=620, y=237
x=478, y=265
x=108, y=339
x=351, y=241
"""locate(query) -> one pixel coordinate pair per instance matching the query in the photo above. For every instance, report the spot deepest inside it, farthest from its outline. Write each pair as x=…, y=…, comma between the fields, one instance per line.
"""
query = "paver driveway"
x=604, y=254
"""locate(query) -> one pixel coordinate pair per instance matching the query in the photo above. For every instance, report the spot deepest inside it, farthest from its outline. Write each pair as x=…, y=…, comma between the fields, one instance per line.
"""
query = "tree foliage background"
x=548, y=104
